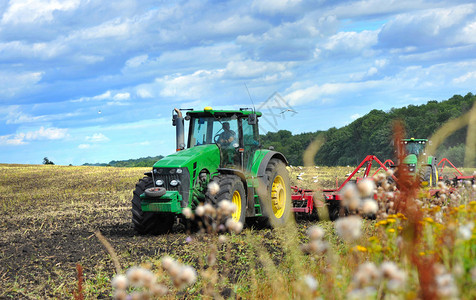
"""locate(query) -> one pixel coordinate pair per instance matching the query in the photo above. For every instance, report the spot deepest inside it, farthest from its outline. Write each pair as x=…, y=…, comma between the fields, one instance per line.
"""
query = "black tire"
x=155, y=192
x=333, y=208
x=231, y=189
x=276, y=204
x=148, y=222
x=426, y=175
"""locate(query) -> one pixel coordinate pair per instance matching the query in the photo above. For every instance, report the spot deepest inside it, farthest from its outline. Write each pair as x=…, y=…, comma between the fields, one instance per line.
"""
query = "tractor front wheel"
x=148, y=222
x=429, y=176
x=276, y=201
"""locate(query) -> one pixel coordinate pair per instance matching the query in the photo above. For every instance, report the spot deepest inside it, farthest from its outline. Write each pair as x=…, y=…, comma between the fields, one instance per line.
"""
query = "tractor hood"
x=410, y=159
x=185, y=157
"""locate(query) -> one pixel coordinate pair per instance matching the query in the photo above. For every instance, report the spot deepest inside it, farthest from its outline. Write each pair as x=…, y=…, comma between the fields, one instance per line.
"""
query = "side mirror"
x=174, y=120
x=252, y=119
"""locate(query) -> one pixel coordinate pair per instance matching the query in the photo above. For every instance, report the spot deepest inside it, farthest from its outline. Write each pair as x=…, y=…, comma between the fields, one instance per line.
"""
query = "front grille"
x=183, y=188
x=164, y=174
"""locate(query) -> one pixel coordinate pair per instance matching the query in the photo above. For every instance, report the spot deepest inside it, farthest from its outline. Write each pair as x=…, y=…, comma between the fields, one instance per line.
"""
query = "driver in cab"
x=227, y=136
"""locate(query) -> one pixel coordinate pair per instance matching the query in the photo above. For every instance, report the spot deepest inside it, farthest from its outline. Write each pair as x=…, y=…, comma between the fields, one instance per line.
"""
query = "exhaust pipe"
x=177, y=121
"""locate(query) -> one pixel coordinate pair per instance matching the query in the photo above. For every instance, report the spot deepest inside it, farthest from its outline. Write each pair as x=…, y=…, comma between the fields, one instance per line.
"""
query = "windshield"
x=415, y=147
x=211, y=130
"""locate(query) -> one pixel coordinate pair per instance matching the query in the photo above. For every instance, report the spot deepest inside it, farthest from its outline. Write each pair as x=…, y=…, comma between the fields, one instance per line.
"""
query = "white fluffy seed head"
x=311, y=282
x=187, y=212
x=366, y=187
x=136, y=276
x=369, y=207
x=348, y=228
x=224, y=207
x=167, y=262
x=200, y=210
x=367, y=274
x=315, y=232
x=120, y=282
x=213, y=188
x=120, y=295
x=159, y=290
x=389, y=269
x=238, y=227
x=209, y=209
x=188, y=275
x=222, y=239
x=389, y=172
x=350, y=197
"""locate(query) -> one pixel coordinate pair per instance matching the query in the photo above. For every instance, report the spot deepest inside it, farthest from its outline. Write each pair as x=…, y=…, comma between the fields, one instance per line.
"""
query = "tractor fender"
x=264, y=163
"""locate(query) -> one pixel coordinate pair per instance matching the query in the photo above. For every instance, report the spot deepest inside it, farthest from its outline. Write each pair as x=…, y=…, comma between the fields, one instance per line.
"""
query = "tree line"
x=139, y=162
x=372, y=134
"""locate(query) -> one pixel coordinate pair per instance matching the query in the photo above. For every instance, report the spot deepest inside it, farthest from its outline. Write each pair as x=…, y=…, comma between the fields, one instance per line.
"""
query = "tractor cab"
x=234, y=132
x=418, y=162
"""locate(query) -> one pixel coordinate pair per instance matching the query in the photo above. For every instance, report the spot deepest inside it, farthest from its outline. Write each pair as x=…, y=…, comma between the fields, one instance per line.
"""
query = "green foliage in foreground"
x=50, y=213
x=372, y=134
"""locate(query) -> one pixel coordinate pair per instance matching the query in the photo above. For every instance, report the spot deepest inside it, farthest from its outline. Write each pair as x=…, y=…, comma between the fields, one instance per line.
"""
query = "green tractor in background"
x=222, y=147
x=417, y=162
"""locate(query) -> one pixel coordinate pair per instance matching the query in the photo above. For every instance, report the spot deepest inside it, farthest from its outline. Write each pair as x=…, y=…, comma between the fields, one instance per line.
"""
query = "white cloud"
x=250, y=68
x=15, y=115
x=144, y=93
x=30, y=11
x=97, y=137
x=351, y=42
x=13, y=83
x=136, y=61
x=274, y=6
x=466, y=77
x=22, y=138
x=317, y=92
x=192, y=86
x=121, y=96
x=429, y=28
x=116, y=28
x=84, y=146
x=355, y=117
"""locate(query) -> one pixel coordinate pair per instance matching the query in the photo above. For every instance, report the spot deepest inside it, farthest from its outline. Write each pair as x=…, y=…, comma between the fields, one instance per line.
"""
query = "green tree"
x=46, y=161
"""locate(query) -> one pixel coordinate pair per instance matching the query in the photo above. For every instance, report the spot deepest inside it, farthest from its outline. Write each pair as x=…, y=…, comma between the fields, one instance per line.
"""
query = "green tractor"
x=417, y=162
x=222, y=147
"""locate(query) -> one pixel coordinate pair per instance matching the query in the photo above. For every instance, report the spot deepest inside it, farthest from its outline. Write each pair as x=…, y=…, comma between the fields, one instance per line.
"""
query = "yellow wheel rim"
x=237, y=201
x=278, y=196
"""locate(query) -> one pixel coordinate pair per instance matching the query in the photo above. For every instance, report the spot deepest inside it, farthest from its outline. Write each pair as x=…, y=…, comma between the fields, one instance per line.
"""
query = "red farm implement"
x=305, y=200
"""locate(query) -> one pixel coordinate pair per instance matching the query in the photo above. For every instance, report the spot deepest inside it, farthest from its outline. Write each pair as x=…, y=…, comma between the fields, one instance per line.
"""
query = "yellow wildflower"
x=391, y=230
x=428, y=219
x=391, y=220
x=373, y=239
x=360, y=248
x=422, y=253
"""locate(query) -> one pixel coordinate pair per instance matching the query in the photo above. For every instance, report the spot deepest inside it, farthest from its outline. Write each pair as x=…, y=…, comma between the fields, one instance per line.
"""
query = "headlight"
x=159, y=182
x=175, y=182
x=172, y=171
x=179, y=171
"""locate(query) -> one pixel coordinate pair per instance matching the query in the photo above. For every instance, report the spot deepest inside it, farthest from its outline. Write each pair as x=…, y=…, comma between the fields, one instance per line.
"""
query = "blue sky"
x=94, y=81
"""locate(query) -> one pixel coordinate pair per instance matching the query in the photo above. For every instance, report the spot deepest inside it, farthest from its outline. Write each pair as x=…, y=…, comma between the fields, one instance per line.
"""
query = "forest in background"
x=372, y=134
x=139, y=162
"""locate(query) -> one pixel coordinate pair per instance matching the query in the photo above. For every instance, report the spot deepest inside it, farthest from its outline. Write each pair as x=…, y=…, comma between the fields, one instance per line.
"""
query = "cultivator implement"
x=458, y=177
x=306, y=200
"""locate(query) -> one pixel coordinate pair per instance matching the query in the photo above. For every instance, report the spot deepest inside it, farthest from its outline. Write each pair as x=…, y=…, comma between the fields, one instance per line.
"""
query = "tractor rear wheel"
x=276, y=203
x=231, y=189
x=148, y=222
